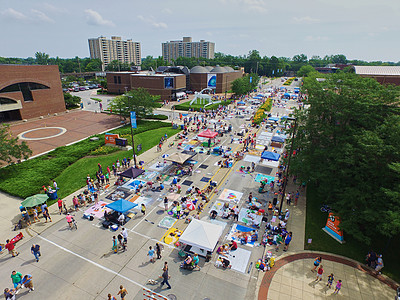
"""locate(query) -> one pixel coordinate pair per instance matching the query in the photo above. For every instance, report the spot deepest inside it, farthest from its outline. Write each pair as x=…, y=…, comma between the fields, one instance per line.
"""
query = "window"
x=6, y=101
x=119, y=79
x=115, y=79
x=25, y=88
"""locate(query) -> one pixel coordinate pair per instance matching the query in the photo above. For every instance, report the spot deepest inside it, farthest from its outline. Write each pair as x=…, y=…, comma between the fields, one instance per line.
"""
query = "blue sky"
x=362, y=29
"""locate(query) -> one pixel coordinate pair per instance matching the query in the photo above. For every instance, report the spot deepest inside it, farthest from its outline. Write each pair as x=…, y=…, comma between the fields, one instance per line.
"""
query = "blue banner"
x=133, y=119
x=251, y=79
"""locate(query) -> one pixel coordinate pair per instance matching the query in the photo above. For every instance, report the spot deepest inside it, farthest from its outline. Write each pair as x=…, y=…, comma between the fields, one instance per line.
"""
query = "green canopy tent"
x=34, y=200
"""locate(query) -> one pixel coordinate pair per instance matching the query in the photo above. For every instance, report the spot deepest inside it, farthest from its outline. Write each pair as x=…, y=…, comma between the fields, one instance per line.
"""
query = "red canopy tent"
x=208, y=134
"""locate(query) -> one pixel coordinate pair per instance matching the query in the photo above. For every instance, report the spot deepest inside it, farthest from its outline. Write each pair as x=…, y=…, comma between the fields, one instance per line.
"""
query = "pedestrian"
x=288, y=199
x=111, y=297
x=9, y=294
x=330, y=280
x=288, y=239
x=60, y=205
x=11, y=248
x=120, y=239
x=150, y=254
x=115, y=244
x=27, y=282
x=159, y=248
x=178, y=210
x=125, y=235
x=165, y=203
x=319, y=273
x=143, y=209
x=379, y=264
x=165, y=276
x=338, y=287
x=317, y=261
x=278, y=242
x=46, y=214
x=253, y=166
x=75, y=202
x=16, y=278
x=123, y=292
x=35, y=250
x=35, y=215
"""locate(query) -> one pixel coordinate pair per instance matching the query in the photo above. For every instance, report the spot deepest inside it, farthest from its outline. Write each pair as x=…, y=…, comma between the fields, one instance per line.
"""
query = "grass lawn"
x=197, y=107
x=316, y=220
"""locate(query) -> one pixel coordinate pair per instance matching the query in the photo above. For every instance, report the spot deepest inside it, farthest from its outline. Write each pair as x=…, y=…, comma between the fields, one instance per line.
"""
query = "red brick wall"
x=46, y=101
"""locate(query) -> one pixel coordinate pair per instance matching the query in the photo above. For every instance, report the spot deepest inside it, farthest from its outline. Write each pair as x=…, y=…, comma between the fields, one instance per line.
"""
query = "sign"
x=109, y=138
x=121, y=142
x=212, y=81
x=133, y=119
x=139, y=147
x=332, y=228
x=168, y=82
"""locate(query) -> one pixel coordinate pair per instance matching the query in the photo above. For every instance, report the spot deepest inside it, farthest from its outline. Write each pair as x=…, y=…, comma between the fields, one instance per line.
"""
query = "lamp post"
x=288, y=164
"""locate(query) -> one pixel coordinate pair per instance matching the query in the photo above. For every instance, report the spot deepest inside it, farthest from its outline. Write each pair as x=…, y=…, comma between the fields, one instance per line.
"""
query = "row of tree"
x=348, y=143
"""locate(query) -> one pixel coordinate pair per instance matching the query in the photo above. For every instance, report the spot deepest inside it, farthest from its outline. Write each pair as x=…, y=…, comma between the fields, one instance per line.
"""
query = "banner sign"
x=212, y=81
x=133, y=119
x=139, y=147
x=109, y=138
x=168, y=82
x=332, y=228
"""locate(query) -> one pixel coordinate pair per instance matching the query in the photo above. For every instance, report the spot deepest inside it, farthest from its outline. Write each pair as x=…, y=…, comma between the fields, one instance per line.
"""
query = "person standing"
x=46, y=214
x=319, y=273
x=165, y=276
x=9, y=294
x=11, y=248
x=143, y=209
x=178, y=210
x=122, y=292
x=288, y=239
x=165, y=203
x=60, y=205
x=338, y=287
x=35, y=215
x=115, y=244
x=379, y=264
x=278, y=242
x=27, y=282
x=158, y=250
x=150, y=254
x=125, y=235
x=35, y=250
x=111, y=297
x=330, y=280
x=16, y=278
x=317, y=261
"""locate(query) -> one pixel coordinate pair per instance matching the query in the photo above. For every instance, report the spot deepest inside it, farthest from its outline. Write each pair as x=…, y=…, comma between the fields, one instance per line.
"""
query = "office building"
x=382, y=74
x=187, y=48
x=115, y=49
x=29, y=91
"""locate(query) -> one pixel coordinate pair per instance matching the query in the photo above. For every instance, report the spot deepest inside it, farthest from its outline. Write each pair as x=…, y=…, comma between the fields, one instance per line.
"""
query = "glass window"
x=6, y=101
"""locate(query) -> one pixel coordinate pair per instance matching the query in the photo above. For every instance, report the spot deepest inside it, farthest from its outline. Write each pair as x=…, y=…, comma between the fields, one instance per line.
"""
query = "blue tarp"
x=286, y=95
x=121, y=205
x=270, y=155
x=241, y=102
x=275, y=119
x=260, y=95
x=278, y=139
x=257, y=98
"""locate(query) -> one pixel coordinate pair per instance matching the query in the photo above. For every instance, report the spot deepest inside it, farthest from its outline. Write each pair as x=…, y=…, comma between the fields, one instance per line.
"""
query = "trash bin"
x=182, y=127
x=52, y=195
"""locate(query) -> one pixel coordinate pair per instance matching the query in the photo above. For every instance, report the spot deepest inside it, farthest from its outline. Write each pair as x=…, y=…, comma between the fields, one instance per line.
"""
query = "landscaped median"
x=70, y=165
x=289, y=81
x=260, y=113
x=197, y=107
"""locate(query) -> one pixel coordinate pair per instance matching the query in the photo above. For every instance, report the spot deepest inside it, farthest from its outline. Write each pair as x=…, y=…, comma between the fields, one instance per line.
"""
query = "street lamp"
x=285, y=181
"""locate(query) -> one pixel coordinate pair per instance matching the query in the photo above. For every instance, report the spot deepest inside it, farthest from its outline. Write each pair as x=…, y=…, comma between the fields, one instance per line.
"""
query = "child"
x=143, y=209
x=317, y=261
x=338, y=287
x=151, y=254
x=330, y=280
x=319, y=273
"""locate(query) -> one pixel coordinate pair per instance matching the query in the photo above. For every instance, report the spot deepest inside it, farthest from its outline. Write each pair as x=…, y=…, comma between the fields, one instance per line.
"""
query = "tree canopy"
x=138, y=100
x=348, y=144
x=10, y=147
x=246, y=84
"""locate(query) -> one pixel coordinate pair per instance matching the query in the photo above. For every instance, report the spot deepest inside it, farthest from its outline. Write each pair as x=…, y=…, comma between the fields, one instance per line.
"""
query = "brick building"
x=29, y=91
x=218, y=78
x=382, y=74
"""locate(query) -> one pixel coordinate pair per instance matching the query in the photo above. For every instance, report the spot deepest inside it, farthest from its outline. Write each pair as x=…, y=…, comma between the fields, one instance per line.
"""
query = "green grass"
x=321, y=241
x=186, y=106
x=27, y=178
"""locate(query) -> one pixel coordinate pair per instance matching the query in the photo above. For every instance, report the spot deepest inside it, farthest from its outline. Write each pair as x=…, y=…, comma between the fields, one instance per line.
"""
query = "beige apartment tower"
x=187, y=48
x=115, y=49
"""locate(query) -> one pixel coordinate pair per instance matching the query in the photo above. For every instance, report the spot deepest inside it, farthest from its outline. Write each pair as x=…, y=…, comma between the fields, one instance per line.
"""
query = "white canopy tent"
x=202, y=235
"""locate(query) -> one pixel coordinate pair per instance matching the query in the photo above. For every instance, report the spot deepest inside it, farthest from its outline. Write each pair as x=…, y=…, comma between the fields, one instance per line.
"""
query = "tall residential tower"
x=115, y=49
x=186, y=48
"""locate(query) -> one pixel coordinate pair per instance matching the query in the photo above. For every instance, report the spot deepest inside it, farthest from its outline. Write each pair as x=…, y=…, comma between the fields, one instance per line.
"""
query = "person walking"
x=35, y=215
x=317, y=261
x=338, y=287
x=9, y=294
x=125, y=235
x=16, y=278
x=330, y=280
x=165, y=276
x=27, y=282
x=122, y=292
x=319, y=273
x=46, y=214
x=35, y=250
x=159, y=248
x=143, y=209
x=111, y=297
x=150, y=254
x=379, y=264
x=278, y=242
x=288, y=239
x=11, y=248
x=115, y=244
x=120, y=239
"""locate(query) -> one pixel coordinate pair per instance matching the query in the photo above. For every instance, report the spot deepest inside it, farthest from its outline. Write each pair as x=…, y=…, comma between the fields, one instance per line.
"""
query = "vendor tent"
x=202, y=234
x=270, y=155
x=34, y=200
x=278, y=139
x=179, y=158
x=241, y=103
x=208, y=134
x=275, y=119
x=121, y=205
x=131, y=173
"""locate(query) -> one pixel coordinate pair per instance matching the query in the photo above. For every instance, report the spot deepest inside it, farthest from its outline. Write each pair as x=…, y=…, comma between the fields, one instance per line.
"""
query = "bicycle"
x=325, y=208
x=73, y=225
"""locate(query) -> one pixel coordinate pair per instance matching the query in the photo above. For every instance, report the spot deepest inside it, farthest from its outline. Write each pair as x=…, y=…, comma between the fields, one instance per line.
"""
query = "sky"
x=360, y=29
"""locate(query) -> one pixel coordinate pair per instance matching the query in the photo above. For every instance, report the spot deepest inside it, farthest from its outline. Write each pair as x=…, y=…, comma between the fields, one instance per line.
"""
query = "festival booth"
x=201, y=237
x=119, y=207
x=277, y=141
x=209, y=134
x=131, y=184
x=178, y=160
x=270, y=155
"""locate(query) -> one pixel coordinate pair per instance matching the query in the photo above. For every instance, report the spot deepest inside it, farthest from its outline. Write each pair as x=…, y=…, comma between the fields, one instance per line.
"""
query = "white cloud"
x=306, y=20
x=310, y=38
x=152, y=22
x=167, y=11
x=94, y=18
x=13, y=14
x=41, y=16
x=259, y=6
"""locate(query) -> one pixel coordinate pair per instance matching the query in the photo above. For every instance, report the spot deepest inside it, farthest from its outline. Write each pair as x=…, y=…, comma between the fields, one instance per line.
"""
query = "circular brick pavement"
x=266, y=281
x=42, y=133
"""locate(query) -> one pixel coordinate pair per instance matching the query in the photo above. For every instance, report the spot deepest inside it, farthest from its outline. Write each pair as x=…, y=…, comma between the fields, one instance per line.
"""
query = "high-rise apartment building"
x=173, y=49
x=115, y=49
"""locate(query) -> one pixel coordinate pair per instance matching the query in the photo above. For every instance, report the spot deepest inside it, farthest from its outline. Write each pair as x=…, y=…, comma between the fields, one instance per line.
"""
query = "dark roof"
x=131, y=173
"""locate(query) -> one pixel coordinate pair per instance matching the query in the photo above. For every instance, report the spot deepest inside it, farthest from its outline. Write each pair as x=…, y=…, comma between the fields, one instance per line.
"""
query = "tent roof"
x=208, y=134
x=270, y=155
x=178, y=157
x=121, y=205
x=131, y=173
x=278, y=139
x=273, y=119
x=202, y=234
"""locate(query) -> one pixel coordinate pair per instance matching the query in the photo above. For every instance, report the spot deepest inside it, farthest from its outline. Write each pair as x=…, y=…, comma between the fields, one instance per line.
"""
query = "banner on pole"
x=133, y=119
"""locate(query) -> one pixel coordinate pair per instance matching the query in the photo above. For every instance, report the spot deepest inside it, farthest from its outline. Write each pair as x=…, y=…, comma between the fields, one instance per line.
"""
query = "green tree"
x=116, y=65
x=42, y=58
x=349, y=141
x=10, y=147
x=71, y=101
x=138, y=100
x=305, y=71
x=93, y=65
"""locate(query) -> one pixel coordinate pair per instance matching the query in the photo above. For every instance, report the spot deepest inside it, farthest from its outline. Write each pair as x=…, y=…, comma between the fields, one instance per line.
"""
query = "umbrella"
x=165, y=155
x=34, y=200
x=190, y=206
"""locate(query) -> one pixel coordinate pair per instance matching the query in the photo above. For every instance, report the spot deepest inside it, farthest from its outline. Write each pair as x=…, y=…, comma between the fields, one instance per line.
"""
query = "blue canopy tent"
x=278, y=139
x=258, y=98
x=284, y=117
x=121, y=205
x=260, y=95
x=286, y=95
x=241, y=102
x=275, y=119
x=270, y=155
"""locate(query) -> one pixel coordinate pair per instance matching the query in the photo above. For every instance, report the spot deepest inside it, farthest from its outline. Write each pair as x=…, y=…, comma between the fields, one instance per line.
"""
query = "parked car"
x=76, y=89
x=82, y=88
